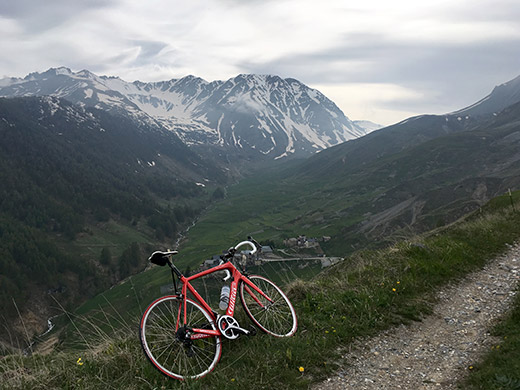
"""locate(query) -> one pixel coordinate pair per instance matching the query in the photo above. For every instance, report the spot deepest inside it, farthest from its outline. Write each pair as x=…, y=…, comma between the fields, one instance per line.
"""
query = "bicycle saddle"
x=161, y=258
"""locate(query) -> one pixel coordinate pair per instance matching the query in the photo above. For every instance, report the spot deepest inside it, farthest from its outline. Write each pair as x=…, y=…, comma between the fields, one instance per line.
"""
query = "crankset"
x=230, y=328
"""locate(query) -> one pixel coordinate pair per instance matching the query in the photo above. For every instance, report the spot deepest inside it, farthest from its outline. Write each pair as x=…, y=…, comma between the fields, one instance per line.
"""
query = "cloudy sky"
x=378, y=60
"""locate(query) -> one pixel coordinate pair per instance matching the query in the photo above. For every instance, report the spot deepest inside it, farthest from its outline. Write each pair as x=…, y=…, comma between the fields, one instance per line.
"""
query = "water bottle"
x=224, y=298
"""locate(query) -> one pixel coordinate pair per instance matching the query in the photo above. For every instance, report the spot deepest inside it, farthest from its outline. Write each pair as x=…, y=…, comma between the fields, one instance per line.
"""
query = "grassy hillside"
x=388, y=187
x=368, y=292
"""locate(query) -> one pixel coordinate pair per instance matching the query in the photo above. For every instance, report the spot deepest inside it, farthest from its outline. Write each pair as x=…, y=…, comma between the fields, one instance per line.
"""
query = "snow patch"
x=312, y=93
x=63, y=71
x=52, y=103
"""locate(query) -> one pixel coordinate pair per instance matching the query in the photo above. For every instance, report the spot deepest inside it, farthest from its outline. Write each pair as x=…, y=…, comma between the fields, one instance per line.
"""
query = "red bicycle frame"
x=237, y=277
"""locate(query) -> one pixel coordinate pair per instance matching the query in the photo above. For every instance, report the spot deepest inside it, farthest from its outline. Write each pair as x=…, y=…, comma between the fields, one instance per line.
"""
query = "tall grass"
x=368, y=292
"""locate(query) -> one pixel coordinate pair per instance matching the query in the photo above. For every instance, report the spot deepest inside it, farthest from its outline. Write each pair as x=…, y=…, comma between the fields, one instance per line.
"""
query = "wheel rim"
x=278, y=317
x=167, y=347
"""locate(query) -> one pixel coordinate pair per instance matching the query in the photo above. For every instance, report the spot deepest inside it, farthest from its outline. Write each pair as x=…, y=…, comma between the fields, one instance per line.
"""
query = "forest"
x=64, y=169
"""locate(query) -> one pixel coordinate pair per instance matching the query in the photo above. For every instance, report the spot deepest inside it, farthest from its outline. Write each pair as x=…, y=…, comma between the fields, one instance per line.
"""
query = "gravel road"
x=436, y=352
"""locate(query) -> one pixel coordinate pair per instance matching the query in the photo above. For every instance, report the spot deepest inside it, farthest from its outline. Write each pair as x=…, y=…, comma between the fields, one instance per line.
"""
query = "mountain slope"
x=351, y=157
x=260, y=114
x=407, y=179
x=501, y=97
x=434, y=182
x=368, y=293
x=76, y=181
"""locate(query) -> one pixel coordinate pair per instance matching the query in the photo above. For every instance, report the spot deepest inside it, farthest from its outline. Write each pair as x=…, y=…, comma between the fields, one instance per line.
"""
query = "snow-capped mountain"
x=263, y=114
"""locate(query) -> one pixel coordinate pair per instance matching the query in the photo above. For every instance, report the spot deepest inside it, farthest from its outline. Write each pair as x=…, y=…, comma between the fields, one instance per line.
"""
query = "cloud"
x=147, y=51
x=427, y=56
x=445, y=76
x=370, y=100
x=35, y=16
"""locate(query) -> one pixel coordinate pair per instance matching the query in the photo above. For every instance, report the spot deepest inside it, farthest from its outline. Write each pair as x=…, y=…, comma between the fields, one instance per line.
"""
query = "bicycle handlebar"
x=231, y=252
x=251, y=244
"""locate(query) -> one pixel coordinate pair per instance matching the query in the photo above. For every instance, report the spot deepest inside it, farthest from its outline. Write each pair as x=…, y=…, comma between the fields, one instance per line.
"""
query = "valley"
x=98, y=173
x=370, y=292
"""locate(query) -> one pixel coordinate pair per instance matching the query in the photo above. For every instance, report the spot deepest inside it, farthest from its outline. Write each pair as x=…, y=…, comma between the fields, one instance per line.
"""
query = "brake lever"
x=228, y=275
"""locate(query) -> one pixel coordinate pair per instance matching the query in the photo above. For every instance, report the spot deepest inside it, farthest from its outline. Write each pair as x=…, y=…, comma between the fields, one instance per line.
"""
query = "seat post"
x=175, y=271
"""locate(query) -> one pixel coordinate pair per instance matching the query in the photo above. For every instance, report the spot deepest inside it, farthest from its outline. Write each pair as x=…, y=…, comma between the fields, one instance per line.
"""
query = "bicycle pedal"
x=252, y=331
x=242, y=331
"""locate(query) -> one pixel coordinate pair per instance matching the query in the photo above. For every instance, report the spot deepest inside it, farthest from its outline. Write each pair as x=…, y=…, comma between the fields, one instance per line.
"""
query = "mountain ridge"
x=501, y=97
x=413, y=131
x=265, y=115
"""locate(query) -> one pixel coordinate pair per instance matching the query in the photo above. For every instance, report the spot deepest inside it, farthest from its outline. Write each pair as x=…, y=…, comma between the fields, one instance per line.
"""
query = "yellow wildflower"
x=301, y=369
x=79, y=362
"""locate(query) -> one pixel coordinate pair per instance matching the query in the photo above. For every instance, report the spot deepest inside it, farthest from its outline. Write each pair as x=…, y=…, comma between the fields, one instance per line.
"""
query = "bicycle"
x=182, y=336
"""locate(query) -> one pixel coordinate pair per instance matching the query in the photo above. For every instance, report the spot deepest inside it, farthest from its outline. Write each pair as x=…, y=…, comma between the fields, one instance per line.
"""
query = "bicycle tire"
x=277, y=317
x=164, y=348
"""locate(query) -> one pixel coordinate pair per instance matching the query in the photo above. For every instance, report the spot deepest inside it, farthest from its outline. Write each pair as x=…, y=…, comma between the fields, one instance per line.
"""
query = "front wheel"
x=167, y=343
x=271, y=311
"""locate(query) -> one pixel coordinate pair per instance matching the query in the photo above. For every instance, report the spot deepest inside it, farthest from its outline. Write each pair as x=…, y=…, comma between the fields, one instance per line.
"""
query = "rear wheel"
x=168, y=345
x=274, y=315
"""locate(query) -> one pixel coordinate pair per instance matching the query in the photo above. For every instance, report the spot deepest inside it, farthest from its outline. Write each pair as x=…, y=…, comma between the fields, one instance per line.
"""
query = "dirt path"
x=436, y=352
